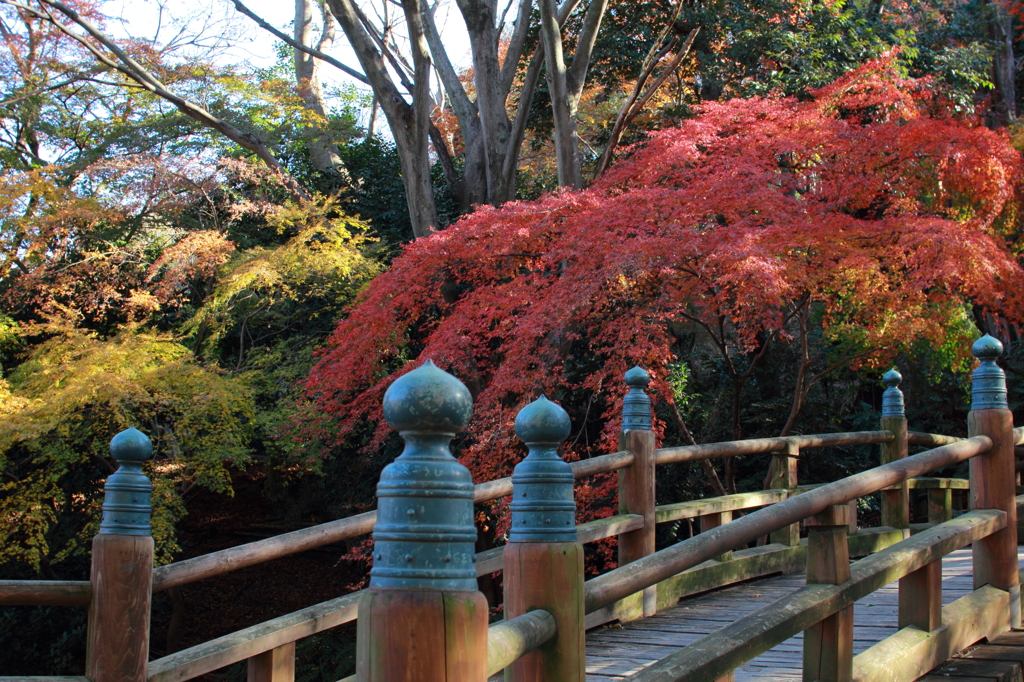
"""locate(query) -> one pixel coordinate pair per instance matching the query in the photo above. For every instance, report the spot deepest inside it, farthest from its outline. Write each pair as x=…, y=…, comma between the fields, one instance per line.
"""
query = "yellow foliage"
x=64, y=404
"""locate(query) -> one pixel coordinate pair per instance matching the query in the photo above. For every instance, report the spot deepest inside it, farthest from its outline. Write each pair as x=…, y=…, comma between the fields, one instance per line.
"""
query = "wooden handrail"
x=716, y=654
x=510, y=640
x=753, y=446
x=45, y=592
x=252, y=553
x=625, y=580
x=238, y=646
x=933, y=440
x=716, y=505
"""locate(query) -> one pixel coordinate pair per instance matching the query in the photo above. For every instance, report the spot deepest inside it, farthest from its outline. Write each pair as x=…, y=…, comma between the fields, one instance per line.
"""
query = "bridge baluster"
x=828, y=644
x=543, y=558
x=895, y=500
x=636, y=488
x=422, y=618
x=783, y=475
x=122, y=569
x=993, y=475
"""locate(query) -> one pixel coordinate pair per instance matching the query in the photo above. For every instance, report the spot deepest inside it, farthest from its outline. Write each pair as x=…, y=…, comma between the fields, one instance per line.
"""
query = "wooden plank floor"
x=616, y=651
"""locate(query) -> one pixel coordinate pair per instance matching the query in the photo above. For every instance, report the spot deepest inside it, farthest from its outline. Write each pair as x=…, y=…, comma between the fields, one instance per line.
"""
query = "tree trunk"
x=1003, y=67
x=323, y=153
x=490, y=96
x=563, y=111
x=410, y=123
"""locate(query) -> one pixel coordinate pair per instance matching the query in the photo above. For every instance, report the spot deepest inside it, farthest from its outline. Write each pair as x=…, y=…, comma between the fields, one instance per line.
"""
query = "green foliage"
x=71, y=396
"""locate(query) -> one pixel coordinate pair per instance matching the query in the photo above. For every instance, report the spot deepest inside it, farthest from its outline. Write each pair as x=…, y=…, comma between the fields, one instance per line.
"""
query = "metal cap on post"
x=636, y=406
x=422, y=618
x=122, y=568
x=543, y=508
x=636, y=491
x=892, y=397
x=988, y=382
x=126, y=495
x=993, y=474
x=543, y=559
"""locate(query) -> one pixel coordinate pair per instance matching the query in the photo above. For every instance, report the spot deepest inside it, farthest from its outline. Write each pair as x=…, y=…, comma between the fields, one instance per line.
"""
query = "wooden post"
x=710, y=521
x=422, y=618
x=921, y=598
x=276, y=665
x=117, y=647
x=636, y=483
x=992, y=475
x=543, y=558
x=940, y=505
x=896, y=499
x=828, y=644
x=784, y=476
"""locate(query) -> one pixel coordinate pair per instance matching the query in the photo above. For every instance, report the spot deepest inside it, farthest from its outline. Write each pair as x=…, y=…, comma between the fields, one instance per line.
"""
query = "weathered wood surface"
x=626, y=580
x=286, y=544
x=753, y=446
x=636, y=496
x=615, y=651
x=118, y=635
x=547, y=576
x=45, y=592
x=716, y=505
x=241, y=645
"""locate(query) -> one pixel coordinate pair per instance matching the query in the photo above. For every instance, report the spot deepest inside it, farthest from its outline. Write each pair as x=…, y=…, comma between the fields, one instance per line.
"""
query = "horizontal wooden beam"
x=492, y=560
x=26, y=678
x=719, y=653
x=510, y=640
x=715, y=505
x=270, y=634
x=745, y=565
x=252, y=553
x=931, y=440
x=600, y=529
x=243, y=644
x=45, y=593
x=650, y=570
x=931, y=482
x=911, y=653
x=286, y=544
x=753, y=446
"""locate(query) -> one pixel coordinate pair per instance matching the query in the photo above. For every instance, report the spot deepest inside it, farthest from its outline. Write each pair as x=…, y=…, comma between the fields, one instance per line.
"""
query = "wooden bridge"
x=912, y=596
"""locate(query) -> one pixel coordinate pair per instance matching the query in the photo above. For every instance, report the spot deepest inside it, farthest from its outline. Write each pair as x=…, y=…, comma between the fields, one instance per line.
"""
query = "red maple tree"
x=864, y=204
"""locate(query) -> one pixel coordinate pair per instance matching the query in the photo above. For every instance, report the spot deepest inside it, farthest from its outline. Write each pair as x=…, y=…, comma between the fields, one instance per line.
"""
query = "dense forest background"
x=766, y=204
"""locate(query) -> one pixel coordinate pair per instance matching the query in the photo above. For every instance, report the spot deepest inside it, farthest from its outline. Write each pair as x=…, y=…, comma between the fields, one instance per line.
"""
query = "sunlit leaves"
x=860, y=203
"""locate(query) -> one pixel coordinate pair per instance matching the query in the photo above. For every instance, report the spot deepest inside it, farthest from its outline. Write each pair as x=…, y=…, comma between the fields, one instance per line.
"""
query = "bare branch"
x=313, y=52
x=136, y=72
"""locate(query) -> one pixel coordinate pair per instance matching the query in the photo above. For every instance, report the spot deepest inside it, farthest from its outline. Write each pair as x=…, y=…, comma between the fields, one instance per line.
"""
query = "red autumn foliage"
x=862, y=202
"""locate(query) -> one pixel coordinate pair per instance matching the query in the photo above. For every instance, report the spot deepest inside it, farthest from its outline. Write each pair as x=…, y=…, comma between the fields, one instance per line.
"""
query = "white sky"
x=250, y=44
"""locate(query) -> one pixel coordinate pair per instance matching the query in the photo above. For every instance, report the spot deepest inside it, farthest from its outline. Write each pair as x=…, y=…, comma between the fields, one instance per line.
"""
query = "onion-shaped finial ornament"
x=988, y=382
x=892, y=397
x=636, y=406
x=126, y=494
x=424, y=537
x=543, y=508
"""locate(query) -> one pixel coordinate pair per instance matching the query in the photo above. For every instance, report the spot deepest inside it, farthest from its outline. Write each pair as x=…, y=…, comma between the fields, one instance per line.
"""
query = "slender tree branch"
x=312, y=51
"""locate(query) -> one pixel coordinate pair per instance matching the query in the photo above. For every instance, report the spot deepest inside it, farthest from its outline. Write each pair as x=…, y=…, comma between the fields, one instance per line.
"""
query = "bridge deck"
x=616, y=651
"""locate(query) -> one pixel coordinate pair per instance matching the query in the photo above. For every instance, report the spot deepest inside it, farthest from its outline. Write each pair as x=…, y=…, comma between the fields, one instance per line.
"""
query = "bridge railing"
x=703, y=562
